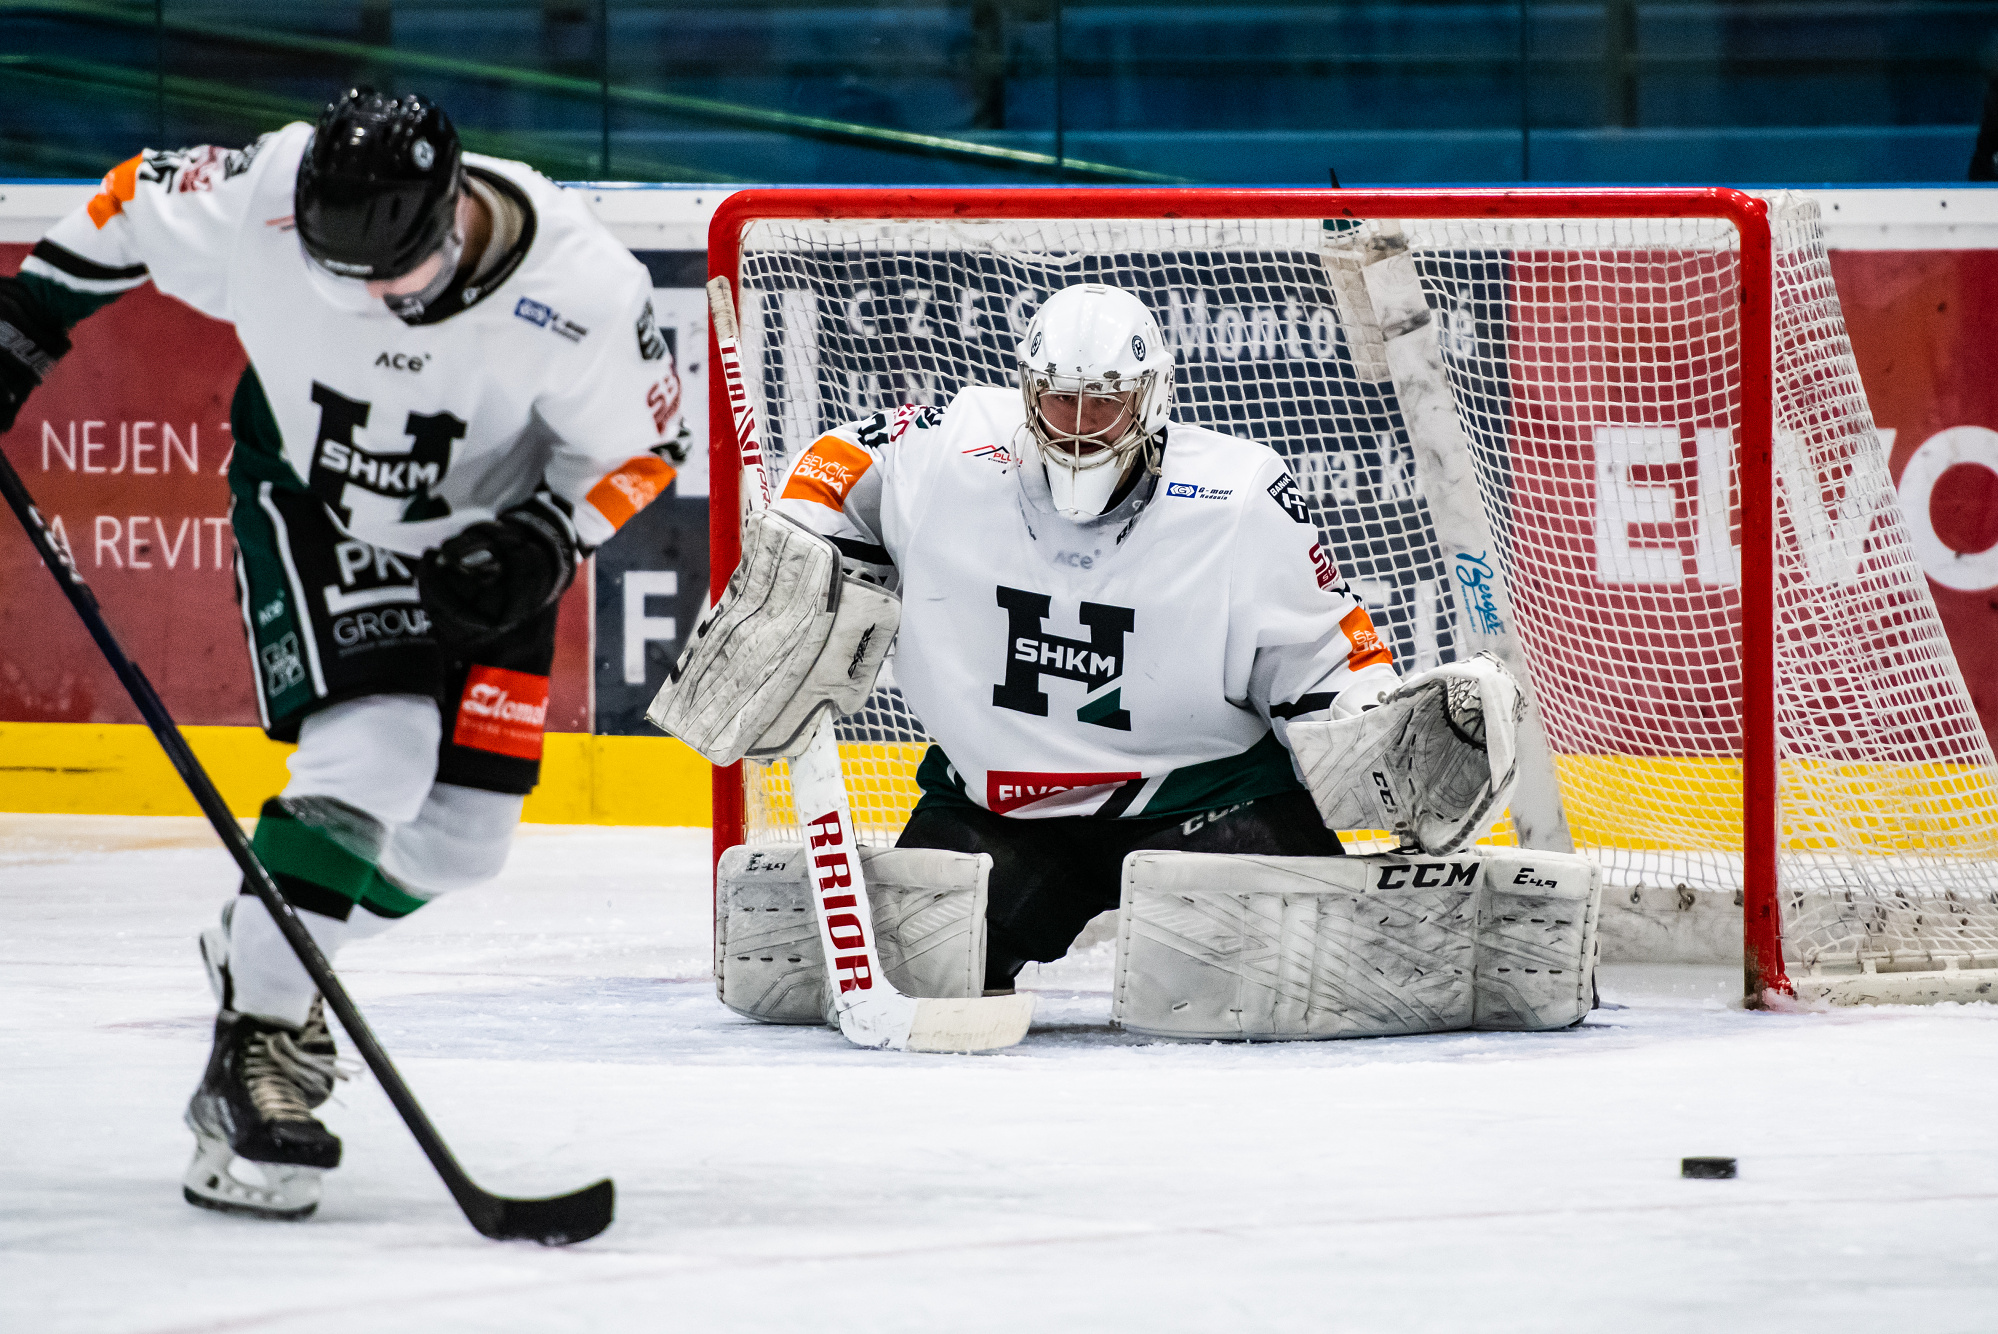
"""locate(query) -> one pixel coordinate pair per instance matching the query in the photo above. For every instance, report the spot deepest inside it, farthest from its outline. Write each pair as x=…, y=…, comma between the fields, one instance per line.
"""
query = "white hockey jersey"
x=553, y=373
x=1142, y=663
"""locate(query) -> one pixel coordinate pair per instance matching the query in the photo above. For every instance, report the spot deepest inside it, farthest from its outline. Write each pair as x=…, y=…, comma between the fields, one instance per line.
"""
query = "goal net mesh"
x=1595, y=370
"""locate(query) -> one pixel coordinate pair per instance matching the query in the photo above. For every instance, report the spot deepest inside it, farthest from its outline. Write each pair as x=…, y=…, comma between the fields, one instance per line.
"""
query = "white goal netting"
x=1595, y=370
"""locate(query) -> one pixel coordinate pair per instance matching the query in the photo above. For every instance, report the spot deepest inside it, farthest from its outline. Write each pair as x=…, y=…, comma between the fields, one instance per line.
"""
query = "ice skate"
x=258, y=1148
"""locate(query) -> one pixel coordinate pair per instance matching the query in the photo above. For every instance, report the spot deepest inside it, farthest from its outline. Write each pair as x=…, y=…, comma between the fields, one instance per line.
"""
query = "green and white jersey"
x=1142, y=663
x=541, y=367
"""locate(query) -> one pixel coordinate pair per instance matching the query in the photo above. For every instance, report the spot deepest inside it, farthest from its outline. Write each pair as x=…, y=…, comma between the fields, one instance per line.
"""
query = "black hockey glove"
x=497, y=574
x=31, y=342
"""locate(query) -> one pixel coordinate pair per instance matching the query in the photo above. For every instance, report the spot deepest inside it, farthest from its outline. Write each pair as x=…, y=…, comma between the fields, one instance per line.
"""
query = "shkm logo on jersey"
x=411, y=476
x=1032, y=654
x=1009, y=789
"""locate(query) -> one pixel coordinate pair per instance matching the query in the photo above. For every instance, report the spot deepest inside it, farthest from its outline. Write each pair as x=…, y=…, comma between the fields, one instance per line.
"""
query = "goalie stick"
x=554, y=1221
x=1392, y=336
x=872, y=1013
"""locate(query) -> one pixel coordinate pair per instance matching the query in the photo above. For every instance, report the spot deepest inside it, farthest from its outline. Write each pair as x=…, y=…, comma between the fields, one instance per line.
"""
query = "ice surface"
x=561, y=1025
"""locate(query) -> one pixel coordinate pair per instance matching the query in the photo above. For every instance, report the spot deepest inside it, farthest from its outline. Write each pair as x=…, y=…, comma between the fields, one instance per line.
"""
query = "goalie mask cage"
x=1742, y=677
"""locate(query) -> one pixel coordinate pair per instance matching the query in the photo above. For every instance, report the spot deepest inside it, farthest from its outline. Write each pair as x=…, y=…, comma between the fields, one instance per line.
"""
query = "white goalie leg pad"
x=791, y=636
x=1216, y=946
x=1433, y=763
x=929, y=923
x=1537, y=925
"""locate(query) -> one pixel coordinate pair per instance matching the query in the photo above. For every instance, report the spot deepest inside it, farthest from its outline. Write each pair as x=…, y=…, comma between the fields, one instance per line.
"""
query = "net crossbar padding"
x=1740, y=669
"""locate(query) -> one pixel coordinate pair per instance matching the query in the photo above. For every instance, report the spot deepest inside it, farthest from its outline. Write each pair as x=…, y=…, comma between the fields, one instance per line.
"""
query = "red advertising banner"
x=125, y=449
x=1924, y=326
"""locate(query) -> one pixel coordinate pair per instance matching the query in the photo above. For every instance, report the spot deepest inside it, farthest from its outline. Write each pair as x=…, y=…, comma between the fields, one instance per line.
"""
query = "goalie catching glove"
x=1431, y=763
x=791, y=636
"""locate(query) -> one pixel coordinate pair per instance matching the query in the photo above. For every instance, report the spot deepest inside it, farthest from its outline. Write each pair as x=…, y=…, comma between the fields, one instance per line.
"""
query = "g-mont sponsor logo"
x=1182, y=490
x=544, y=316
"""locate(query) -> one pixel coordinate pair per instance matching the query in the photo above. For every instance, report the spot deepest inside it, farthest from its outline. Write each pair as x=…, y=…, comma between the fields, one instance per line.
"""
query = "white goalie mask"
x=1097, y=380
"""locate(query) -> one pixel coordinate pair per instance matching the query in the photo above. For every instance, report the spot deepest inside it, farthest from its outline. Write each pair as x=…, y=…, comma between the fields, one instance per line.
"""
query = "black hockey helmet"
x=377, y=191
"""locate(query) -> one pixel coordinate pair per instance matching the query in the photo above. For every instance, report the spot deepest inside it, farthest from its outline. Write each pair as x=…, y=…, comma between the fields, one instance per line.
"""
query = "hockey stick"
x=872, y=1013
x=1392, y=337
x=554, y=1221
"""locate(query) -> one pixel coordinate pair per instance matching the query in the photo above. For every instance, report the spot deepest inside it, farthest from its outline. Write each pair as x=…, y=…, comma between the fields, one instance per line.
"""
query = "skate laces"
x=287, y=1075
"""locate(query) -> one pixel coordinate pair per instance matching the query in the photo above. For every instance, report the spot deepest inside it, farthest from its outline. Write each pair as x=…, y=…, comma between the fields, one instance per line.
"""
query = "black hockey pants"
x=1050, y=877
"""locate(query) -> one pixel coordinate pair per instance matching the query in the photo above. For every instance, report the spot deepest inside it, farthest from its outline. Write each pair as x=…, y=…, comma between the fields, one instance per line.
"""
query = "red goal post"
x=797, y=259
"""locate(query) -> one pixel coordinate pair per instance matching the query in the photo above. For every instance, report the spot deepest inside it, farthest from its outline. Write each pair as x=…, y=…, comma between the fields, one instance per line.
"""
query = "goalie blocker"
x=791, y=637
x=1213, y=946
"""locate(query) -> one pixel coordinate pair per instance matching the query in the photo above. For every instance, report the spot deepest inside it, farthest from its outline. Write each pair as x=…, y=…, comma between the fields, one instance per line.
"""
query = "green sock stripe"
x=287, y=847
x=383, y=899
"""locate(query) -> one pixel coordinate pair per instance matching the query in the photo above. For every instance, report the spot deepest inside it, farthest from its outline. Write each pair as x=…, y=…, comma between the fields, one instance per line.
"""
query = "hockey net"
x=1596, y=367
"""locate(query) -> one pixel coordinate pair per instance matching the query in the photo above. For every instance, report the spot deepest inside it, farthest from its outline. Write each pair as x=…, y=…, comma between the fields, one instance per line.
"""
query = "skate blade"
x=220, y=1180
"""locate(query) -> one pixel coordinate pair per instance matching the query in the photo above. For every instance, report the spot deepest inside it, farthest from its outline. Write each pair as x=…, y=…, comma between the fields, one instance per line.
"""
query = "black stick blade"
x=559, y=1220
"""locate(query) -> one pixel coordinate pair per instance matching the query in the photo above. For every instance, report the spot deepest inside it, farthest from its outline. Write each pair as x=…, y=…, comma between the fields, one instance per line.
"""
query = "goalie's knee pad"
x=1216, y=946
x=929, y=924
x=1537, y=924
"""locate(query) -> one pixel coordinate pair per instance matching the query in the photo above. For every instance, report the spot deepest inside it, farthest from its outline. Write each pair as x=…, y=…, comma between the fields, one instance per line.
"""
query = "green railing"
x=268, y=112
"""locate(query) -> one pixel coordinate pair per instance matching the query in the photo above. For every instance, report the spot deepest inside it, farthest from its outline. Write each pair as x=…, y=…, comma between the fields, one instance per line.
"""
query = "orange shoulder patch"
x=120, y=184
x=636, y=484
x=828, y=472
x=1367, y=648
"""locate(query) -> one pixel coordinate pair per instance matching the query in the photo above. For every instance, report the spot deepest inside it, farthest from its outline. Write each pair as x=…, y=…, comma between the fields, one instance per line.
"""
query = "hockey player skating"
x=1110, y=621
x=455, y=390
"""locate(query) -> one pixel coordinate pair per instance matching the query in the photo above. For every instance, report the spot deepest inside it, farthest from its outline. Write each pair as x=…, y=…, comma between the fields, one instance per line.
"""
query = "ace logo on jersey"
x=1032, y=655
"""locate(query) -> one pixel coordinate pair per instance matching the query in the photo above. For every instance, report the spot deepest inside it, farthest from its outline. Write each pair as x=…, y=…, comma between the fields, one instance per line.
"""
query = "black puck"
x=1707, y=1169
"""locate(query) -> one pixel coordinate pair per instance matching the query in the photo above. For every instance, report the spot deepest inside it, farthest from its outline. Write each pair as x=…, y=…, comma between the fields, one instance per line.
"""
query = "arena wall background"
x=126, y=445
